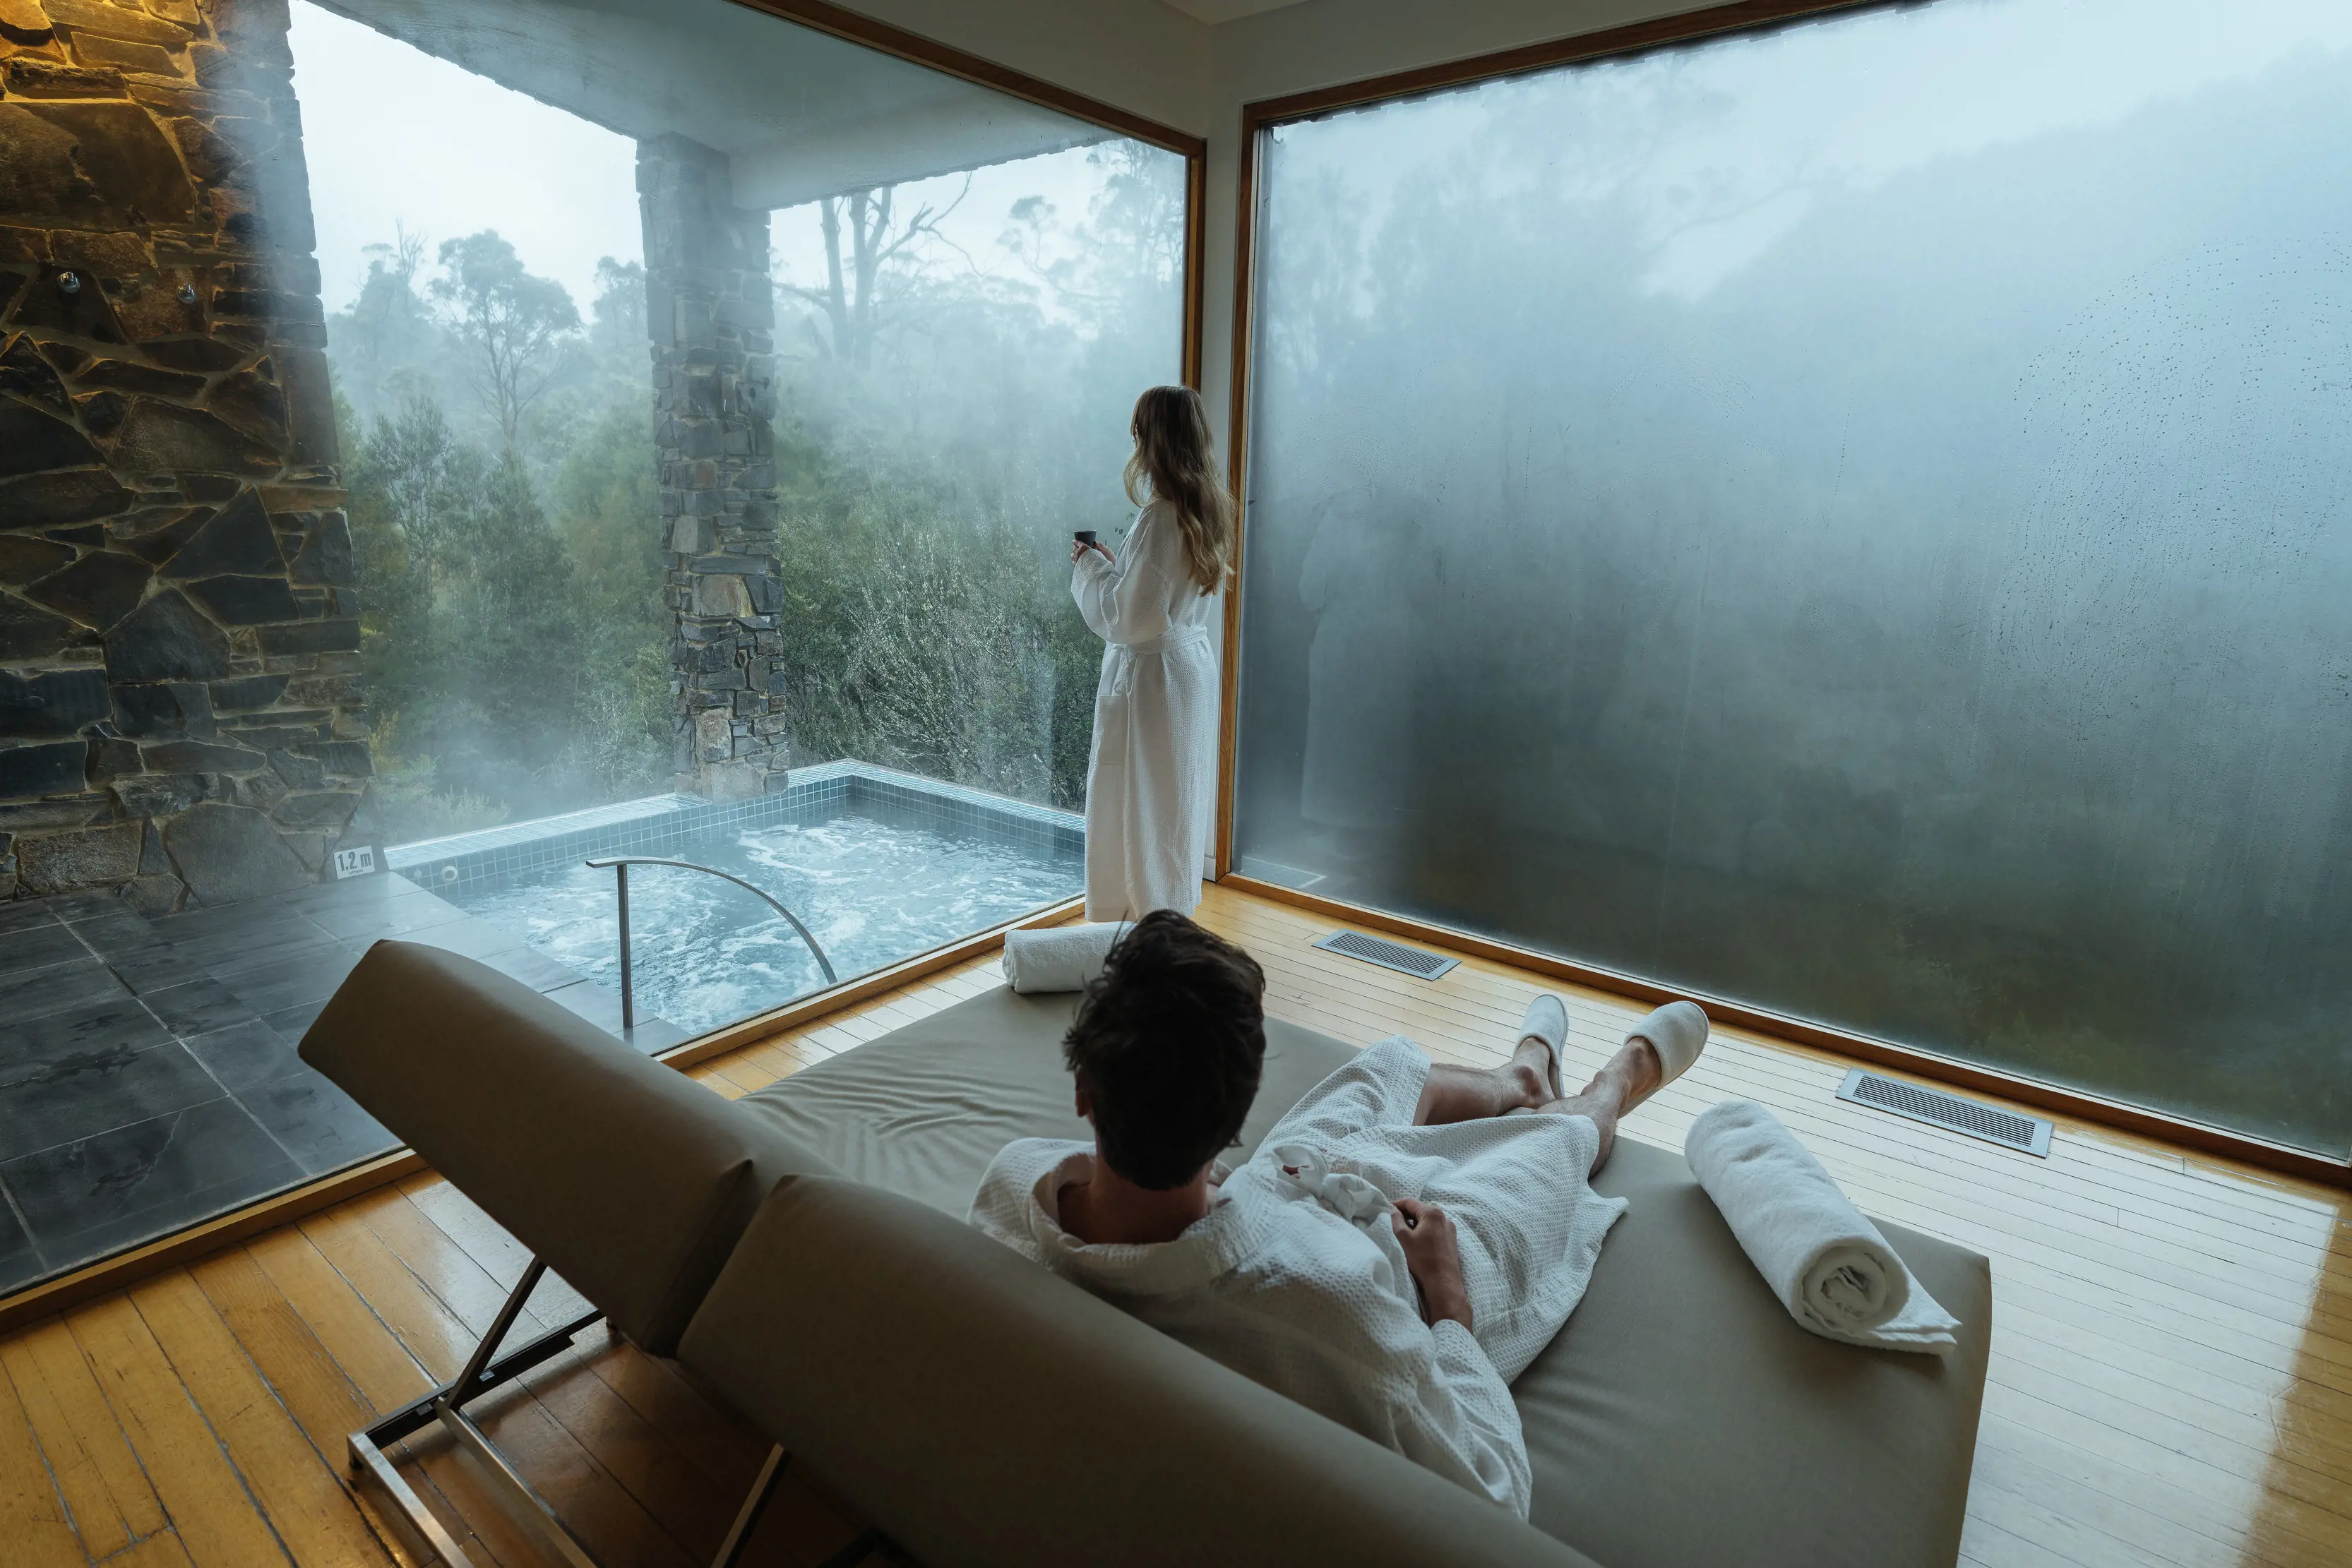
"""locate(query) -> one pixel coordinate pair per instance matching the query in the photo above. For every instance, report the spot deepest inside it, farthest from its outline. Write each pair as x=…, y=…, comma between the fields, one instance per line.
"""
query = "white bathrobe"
x=1295, y=1277
x=1153, y=774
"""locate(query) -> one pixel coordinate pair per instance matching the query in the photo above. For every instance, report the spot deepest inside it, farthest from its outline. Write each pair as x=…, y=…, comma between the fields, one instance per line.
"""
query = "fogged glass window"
x=1856, y=519
x=958, y=357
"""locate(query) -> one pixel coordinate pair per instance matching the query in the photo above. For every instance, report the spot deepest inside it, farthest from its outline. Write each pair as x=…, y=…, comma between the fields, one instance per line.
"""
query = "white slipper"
x=1547, y=1020
x=1677, y=1032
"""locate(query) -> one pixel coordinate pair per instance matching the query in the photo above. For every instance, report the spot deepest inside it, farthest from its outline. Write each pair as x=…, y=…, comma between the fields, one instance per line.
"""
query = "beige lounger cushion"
x=633, y=1181
x=1680, y=1418
x=984, y=1412
x=923, y=1109
x=1683, y=1417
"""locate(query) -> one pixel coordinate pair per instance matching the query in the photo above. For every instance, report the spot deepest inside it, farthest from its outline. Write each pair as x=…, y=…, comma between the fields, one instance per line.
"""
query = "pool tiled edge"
x=650, y=825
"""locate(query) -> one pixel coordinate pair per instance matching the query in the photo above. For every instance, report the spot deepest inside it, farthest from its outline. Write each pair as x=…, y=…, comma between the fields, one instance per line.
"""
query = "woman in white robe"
x=1152, y=782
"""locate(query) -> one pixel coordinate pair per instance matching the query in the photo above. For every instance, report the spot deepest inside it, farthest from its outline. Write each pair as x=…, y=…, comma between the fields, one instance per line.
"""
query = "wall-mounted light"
x=187, y=294
x=69, y=283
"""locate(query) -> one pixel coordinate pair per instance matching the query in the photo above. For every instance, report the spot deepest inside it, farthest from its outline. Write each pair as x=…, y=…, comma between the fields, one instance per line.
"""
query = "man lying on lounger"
x=1404, y=1241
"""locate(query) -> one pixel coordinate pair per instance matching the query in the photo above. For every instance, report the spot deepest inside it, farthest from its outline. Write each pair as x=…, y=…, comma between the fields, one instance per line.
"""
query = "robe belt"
x=1182, y=637
x=1122, y=680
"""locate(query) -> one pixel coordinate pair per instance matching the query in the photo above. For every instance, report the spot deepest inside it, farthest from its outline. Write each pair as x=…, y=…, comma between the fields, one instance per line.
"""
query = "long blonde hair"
x=1172, y=454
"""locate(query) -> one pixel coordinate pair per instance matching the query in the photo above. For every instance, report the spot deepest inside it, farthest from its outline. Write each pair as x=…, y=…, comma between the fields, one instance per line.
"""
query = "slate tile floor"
x=148, y=1074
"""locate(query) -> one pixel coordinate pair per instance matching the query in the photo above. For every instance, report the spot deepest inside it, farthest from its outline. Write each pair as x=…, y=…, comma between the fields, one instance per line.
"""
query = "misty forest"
x=940, y=424
x=1911, y=597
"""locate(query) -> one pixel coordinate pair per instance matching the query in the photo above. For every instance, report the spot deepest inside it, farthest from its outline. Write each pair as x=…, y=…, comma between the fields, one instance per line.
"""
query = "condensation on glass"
x=1854, y=518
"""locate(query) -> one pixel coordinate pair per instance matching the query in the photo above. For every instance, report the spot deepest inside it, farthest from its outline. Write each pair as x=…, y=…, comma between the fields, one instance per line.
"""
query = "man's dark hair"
x=1169, y=1043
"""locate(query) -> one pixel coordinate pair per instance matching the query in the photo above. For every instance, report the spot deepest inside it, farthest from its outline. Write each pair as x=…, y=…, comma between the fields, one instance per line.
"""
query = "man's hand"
x=1434, y=1253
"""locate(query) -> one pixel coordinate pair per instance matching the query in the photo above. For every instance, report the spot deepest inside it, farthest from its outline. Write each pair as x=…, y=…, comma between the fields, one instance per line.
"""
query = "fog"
x=398, y=141
x=1852, y=519
x=934, y=443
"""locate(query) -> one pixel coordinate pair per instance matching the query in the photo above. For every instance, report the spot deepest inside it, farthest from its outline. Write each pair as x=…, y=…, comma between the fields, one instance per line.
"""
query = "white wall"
x=1152, y=59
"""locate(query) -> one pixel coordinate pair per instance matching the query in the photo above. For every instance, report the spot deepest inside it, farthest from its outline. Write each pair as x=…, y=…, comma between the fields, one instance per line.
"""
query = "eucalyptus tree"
x=516, y=326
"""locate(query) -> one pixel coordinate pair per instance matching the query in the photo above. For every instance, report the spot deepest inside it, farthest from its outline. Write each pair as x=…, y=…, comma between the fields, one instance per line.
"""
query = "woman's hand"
x=1078, y=549
x=1433, y=1252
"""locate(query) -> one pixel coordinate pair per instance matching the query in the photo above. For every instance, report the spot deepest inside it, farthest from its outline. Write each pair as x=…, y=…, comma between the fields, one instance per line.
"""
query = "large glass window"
x=1854, y=518
x=722, y=488
x=442, y=442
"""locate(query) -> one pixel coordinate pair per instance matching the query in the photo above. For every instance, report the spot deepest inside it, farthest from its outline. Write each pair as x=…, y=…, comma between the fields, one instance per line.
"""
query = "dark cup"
x=1083, y=535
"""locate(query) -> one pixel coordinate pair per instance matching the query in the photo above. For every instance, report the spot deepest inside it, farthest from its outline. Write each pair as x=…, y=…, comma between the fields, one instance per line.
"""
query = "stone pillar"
x=710, y=313
x=180, y=700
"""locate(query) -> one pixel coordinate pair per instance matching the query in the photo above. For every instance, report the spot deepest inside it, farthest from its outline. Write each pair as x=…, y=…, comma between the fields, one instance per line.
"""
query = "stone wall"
x=709, y=312
x=180, y=712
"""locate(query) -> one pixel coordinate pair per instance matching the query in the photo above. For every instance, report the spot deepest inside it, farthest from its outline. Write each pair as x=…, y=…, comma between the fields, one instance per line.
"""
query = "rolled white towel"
x=1821, y=1256
x=1058, y=958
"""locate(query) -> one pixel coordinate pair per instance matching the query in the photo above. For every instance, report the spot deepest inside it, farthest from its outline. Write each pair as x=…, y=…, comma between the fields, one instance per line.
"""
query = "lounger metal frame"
x=425, y=1535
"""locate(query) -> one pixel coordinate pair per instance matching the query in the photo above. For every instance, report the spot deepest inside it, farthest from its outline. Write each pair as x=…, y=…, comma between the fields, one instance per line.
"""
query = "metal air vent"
x=1949, y=1111
x=1405, y=960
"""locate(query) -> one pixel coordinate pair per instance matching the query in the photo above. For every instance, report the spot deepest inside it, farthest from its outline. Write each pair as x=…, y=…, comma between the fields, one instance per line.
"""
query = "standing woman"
x=1155, y=754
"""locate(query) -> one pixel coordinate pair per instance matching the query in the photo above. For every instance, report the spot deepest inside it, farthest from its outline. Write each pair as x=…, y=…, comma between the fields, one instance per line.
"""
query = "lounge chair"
x=803, y=1249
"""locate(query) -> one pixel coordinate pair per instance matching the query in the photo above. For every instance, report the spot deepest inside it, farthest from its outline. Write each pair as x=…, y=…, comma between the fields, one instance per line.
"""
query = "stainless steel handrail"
x=621, y=864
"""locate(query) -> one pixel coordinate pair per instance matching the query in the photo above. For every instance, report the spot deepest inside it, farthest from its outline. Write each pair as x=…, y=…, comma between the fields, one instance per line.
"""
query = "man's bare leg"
x=1454, y=1094
x=1630, y=1077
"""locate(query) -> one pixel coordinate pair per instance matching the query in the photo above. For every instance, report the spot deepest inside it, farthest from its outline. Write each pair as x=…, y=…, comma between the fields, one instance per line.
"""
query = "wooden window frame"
x=1256, y=118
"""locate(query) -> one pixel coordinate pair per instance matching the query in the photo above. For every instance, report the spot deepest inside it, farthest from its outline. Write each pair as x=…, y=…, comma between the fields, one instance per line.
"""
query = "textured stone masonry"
x=181, y=708
x=710, y=313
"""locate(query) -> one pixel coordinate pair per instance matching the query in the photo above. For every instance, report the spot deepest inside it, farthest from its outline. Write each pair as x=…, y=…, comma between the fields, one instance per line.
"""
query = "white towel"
x=1821, y=1256
x=1058, y=958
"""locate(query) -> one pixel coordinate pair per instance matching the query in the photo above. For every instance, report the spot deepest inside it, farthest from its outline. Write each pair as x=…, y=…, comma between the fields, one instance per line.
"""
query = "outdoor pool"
x=873, y=881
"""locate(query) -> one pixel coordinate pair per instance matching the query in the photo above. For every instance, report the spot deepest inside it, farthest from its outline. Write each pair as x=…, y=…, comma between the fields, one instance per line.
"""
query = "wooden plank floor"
x=2171, y=1378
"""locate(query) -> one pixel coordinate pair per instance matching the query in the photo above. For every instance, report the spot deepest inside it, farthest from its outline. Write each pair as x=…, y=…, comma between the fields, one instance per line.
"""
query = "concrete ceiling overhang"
x=801, y=114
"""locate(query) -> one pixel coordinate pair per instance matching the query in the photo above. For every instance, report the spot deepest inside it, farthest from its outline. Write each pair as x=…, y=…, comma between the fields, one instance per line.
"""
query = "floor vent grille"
x=1405, y=960
x=1937, y=1109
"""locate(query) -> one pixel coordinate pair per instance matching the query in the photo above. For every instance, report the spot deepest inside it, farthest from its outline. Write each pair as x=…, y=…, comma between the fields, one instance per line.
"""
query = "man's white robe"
x=1153, y=772
x=1295, y=1277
